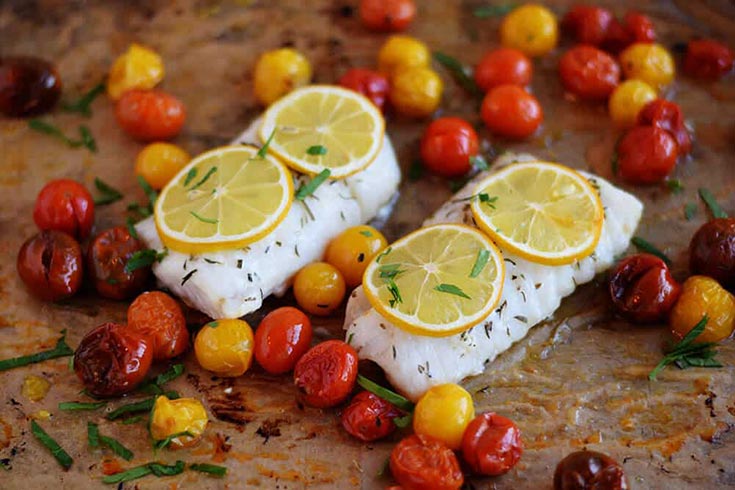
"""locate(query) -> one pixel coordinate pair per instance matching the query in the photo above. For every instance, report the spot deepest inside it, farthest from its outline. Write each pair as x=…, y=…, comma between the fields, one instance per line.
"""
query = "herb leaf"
x=117, y=447
x=493, y=10
x=79, y=406
x=109, y=193
x=93, y=435
x=317, y=150
x=386, y=394
x=394, y=292
x=308, y=189
x=57, y=451
x=366, y=233
x=167, y=470
x=675, y=185
x=711, y=202
x=155, y=386
x=690, y=210
x=403, y=422
x=206, y=177
x=61, y=349
x=687, y=353
x=131, y=474
x=151, y=194
x=264, y=149
x=87, y=139
x=82, y=105
x=451, y=289
x=52, y=130
x=647, y=247
x=190, y=175
x=144, y=258
x=458, y=71
x=211, y=469
x=141, y=406
x=480, y=262
x=164, y=443
x=211, y=221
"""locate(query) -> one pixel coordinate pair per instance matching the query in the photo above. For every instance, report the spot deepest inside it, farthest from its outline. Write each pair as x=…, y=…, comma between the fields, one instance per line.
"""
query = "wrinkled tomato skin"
x=585, y=470
x=50, y=265
x=667, y=115
x=387, y=15
x=642, y=289
x=326, y=374
x=282, y=338
x=420, y=462
x=491, y=444
x=112, y=360
x=65, y=205
x=510, y=111
x=150, y=115
x=369, y=418
x=589, y=73
x=646, y=155
x=712, y=251
x=447, y=145
x=158, y=317
x=707, y=59
x=28, y=86
x=369, y=83
x=106, y=258
x=587, y=24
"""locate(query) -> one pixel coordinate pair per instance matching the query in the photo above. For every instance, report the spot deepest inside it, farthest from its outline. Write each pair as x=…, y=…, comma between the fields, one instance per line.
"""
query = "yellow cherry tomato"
x=225, y=347
x=171, y=417
x=353, y=249
x=444, y=412
x=416, y=92
x=278, y=72
x=700, y=296
x=400, y=52
x=627, y=100
x=137, y=68
x=319, y=288
x=158, y=163
x=532, y=29
x=651, y=63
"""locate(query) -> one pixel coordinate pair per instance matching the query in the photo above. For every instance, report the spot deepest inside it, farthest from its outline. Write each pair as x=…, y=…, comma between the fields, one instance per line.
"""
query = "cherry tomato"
x=400, y=52
x=588, y=72
x=646, y=155
x=28, y=86
x=158, y=316
x=282, y=337
x=530, y=28
x=707, y=59
x=627, y=100
x=369, y=418
x=667, y=115
x=369, y=83
x=587, y=24
x=108, y=254
x=158, y=163
x=65, y=205
x=352, y=250
x=583, y=470
x=326, y=374
x=642, y=289
x=443, y=413
x=447, y=146
x=639, y=27
x=174, y=417
x=503, y=66
x=225, y=347
x=712, y=251
x=50, y=265
x=491, y=444
x=420, y=462
x=416, y=91
x=387, y=15
x=138, y=68
x=648, y=62
x=510, y=111
x=278, y=72
x=150, y=115
x=319, y=288
x=703, y=296
x=112, y=360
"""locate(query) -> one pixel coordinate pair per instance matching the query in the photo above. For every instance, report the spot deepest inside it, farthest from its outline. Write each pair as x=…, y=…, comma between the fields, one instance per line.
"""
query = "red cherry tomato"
x=150, y=115
x=112, y=360
x=387, y=15
x=587, y=24
x=707, y=59
x=588, y=72
x=491, y=444
x=369, y=83
x=646, y=155
x=28, y=86
x=667, y=115
x=503, y=66
x=158, y=317
x=447, y=145
x=50, y=265
x=369, y=418
x=108, y=254
x=510, y=111
x=65, y=205
x=639, y=27
x=420, y=462
x=282, y=337
x=326, y=374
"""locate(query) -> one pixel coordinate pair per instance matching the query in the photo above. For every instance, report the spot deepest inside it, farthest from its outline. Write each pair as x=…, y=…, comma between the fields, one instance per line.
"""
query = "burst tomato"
x=158, y=316
x=387, y=15
x=510, y=111
x=707, y=59
x=65, y=205
x=588, y=72
x=503, y=66
x=667, y=115
x=50, y=265
x=491, y=444
x=646, y=155
x=326, y=374
x=282, y=337
x=369, y=418
x=150, y=115
x=447, y=146
x=107, y=257
x=422, y=463
x=369, y=83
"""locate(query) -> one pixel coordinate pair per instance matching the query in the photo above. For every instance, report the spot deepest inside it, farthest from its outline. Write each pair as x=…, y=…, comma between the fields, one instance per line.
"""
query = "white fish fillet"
x=532, y=292
x=232, y=283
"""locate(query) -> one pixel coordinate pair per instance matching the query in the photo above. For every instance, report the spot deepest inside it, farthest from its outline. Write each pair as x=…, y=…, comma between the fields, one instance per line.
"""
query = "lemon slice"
x=437, y=281
x=223, y=199
x=544, y=212
x=324, y=127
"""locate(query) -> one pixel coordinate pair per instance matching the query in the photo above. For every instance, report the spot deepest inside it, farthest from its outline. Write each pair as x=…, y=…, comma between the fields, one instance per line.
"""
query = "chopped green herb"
x=264, y=149
x=390, y=271
x=451, y=289
x=205, y=178
x=151, y=194
x=144, y=258
x=51, y=130
x=167, y=470
x=164, y=443
x=394, y=292
x=416, y=170
x=61, y=349
x=131, y=474
x=711, y=202
x=87, y=139
x=154, y=386
x=456, y=184
x=82, y=105
x=141, y=406
x=478, y=162
x=484, y=198
x=383, y=254
x=350, y=337
x=93, y=435
x=143, y=211
x=133, y=420
x=459, y=72
x=480, y=262
x=210, y=469
x=211, y=221
x=308, y=189
x=190, y=176
x=384, y=393
x=108, y=193
x=647, y=247
x=57, y=451
x=687, y=353
x=79, y=406
x=675, y=185
x=317, y=150
x=131, y=228
x=366, y=233
x=117, y=448
x=493, y=10
x=690, y=210
x=403, y=422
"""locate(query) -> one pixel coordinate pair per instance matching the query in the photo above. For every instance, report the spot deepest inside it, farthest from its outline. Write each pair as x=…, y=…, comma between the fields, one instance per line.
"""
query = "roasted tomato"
x=712, y=251
x=282, y=337
x=587, y=24
x=491, y=444
x=508, y=110
x=531, y=28
x=642, y=289
x=628, y=100
x=279, y=71
x=447, y=146
x=65, y=205
x=158, y=316
x=107, y=257
x=416, y=91
x=583, y=470
x=387, y=15
x=503, y=66
x=588, y=72
x=225, y=347
x=369, y=83
x=369, y=418
x=635, y=28
x=326, y=374
x=319, y=288
x=703, y=296
x=352, y=250
x=175, y=417
x=150, y=115
x=112, y=360
x=28, y=86
x=707, y=59
x=423, y=463
x=444, y=412
x=646, y=155
x=50, y=265
x=651, y=63
x=667, y=115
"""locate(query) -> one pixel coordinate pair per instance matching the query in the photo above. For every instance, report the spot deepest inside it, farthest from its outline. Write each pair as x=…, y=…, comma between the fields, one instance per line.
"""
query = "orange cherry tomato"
x=510, y=111
x=387, y=15
x=447, y=146
x=421, y=462
x=282, y=337
x=491, y=444
x=667, y=115
x=369, y=418
x=707, y=59
x=587, y=24
x=369, y=83
x=503, y=66
x=107, y=256
x=646, y=155
x=588, y=72
x=65, y=205
x=150, y=115
x=326, y=374
x=158, y=316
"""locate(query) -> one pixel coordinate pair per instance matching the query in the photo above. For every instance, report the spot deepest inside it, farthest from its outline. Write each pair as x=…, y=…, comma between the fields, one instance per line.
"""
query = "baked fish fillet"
x=232, y=283
x=531, y=293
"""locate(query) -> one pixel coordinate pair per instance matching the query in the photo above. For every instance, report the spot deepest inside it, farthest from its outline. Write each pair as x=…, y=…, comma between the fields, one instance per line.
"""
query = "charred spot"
x=270, y=428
